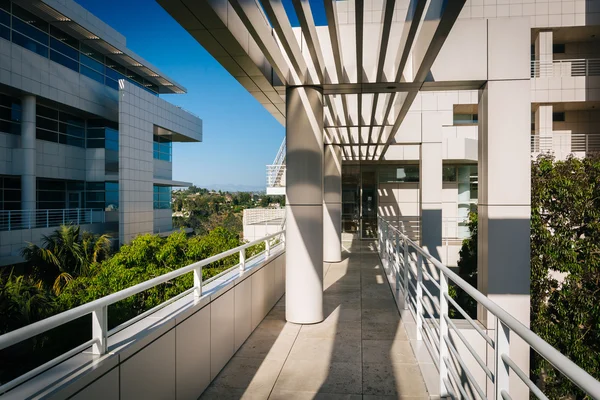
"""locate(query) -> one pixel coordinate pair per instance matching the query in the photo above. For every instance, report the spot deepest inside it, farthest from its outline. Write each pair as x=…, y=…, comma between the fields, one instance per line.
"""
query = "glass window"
x=46, y=123
x=465, y=119
x=5, y=5
x=46, y=112
x=449, y=174
x=65, y=38
x=63, y=48
x=162, y=148
x=399, y=174
x=558, y=117
x=97, y=76
x=30, y=44
x=64, y=60
x=29, y=31
x=32, y=19
x=71, y=119
x=112, y=83
x=162, y=197
x=46, y=135
x=92, y=54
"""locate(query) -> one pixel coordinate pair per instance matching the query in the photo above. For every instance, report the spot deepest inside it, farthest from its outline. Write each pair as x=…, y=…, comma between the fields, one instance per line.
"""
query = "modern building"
x=400, y=117
x=85, y=137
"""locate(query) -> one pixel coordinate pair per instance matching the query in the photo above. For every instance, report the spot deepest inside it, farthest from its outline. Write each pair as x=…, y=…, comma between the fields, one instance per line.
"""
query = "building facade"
x=85, y=137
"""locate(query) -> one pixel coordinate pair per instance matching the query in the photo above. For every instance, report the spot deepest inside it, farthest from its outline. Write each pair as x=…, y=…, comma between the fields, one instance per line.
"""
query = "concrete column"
x=28, y=176
x=505, y=183
x=332, y=204
x=543, y=128
x=430, y=178
x=304, y=191
x=544, y=52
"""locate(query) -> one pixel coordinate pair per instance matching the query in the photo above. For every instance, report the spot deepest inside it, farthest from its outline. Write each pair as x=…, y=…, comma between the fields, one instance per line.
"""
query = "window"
x=59, y=126
x=162, y=197
x=465, y=119
x=112, y=196
x=399, y=174
x=10, y=192
x=558, y=117
x=10, y=114
x=558, y=48
x=162, y=147
x=94, y=195
x=449, y=173
x=35, y=34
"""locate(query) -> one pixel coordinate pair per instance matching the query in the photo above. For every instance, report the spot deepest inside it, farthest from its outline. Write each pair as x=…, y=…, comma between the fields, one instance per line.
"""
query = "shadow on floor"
x=359, y=351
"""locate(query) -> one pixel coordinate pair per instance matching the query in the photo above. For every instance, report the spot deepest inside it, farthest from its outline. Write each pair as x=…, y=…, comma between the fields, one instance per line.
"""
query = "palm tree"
x=66, y=254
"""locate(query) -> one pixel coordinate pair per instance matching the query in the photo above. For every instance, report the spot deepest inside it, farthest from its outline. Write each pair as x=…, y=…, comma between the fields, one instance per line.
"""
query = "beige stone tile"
x=289, y=395
x=334, y=350
x=266, y=346
x=388, y=351
x=254, y=375
x=277, y=327
x=220, y=393
x=331, y=328
x=343, y=312
x=320, y=375
x=393, y=379
x=380, y=316
x=379, y=304
x=383, y=331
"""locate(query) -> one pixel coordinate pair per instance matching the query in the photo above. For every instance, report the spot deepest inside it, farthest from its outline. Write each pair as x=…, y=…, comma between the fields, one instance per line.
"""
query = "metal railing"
x=11, y=220
x=99, y=308
x=257, y=216
x=407, y=261
x=565, y=68
x=566, y=143
x=276, y=175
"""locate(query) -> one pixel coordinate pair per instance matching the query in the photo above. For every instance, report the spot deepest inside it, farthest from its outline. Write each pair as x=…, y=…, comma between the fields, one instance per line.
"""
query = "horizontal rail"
x=534, y=389
x=37, y=328
x=569, y=369
x=565, y=68
x=11, y=220
x=565, y=142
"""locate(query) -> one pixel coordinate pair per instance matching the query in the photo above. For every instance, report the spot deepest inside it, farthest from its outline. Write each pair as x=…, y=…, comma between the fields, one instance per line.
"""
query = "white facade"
x=61, y=96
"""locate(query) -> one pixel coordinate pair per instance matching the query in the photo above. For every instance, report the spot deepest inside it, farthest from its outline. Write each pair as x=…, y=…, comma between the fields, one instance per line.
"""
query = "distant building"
x=84, y=136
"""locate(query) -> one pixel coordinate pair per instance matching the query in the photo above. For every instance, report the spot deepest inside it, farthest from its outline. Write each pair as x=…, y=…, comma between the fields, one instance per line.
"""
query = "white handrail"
x=506, y=323
x=11, y=220
x=98, y=308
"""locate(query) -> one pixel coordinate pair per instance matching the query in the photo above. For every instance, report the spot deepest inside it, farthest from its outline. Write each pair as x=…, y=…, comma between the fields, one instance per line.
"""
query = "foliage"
x=565, y=266
x=66, y=254
x=467, y=269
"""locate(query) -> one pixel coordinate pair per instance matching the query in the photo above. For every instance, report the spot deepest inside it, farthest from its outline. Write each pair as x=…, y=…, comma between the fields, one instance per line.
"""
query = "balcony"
x=276, y=179
x=260, y=222
x=565, y=68
x=562, y=144
x=12, y=220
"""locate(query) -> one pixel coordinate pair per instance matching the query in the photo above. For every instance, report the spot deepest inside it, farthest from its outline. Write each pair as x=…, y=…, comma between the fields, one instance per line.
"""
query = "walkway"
x=360, y=351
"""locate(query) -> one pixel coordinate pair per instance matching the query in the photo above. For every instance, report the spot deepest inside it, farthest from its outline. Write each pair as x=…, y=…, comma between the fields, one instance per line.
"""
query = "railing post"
x=9, y=220
x=397, y=263
x=91, y=215
x=242, y=259
x=100, y=330
x=29, y=213
x=419, y=296
x=443, y=334
x=78, y=216
x=267, y=248
x=47, y=218
x=63, y=221
x=197, y=282
x=502, y=371
x=406, y=275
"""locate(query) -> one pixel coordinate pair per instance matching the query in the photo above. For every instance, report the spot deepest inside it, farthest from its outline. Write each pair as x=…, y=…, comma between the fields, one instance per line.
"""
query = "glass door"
x=369, y=203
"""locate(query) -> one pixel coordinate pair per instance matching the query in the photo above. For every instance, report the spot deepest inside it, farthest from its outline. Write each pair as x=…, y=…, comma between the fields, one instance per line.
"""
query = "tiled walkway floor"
x=360, y=351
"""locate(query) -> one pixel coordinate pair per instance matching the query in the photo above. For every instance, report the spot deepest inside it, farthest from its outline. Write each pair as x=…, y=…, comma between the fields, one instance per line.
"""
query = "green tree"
x=66, y=254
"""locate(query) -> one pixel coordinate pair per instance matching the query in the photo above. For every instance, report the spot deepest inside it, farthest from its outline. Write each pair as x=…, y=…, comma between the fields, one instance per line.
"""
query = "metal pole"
x=502, y=370
x=267, y=248
x=47, y=218
x=420, y=296
x=197, y=282
x=242, y=259
x=406, y=267
x=9, y=220
x=99, y=330
x=443, y=334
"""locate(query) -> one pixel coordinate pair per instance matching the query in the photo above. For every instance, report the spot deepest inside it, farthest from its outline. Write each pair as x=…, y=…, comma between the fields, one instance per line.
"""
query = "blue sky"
x=240, y=136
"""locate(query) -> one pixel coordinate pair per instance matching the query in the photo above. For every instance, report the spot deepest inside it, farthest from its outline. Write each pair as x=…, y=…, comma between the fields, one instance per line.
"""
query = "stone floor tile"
x=388, y=351
x=266, y=346
x=393, y=379
x=289, y=395
x=329, y=329
x=320, y=375
x=380, y=331
x=222, y=393
x=255, y=375
x=334, y=350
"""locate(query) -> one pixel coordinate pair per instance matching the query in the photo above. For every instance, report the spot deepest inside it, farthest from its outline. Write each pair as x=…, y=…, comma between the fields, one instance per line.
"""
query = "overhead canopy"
x=370, y=62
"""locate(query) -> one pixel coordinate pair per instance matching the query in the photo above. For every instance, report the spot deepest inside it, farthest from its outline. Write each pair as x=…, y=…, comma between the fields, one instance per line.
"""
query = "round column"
x=332, y=204
x=304, y=191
